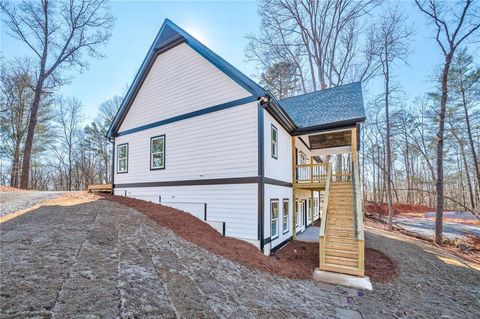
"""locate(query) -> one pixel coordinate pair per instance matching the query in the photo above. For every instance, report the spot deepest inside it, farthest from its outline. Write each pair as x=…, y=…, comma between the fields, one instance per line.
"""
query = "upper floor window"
x=274, y=218
x=157, y=152
x=122, y=158
x=274, y=142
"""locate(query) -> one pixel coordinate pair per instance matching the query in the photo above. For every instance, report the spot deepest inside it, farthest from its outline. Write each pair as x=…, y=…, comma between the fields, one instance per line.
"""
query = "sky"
x=222, y=26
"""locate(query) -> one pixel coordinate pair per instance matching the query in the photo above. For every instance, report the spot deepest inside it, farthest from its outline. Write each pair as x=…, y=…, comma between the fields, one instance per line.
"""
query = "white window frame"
x=274, y=220
x=285, y=215
x=274, y=142
x=119, y=171
x=161, y=152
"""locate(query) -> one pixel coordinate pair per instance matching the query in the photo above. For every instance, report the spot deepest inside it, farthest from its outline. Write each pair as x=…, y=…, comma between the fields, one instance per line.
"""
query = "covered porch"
x=325, y=170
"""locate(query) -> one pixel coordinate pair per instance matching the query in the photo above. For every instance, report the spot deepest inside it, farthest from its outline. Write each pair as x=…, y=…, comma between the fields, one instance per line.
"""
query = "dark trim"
x=223, y=229
x=113, y=166
x=267, y=241
x=189, y=115
x=205, y=211
x=271, y=141
x=288, y=201
x=271, y=181
x=261, y=166
x=301, y=140
x=347, y=124
x=159, y=199
x=169, y=45
x=194, y=182
x=278, y=218
x=128, y=149
x=283, y=243
x=164, y=153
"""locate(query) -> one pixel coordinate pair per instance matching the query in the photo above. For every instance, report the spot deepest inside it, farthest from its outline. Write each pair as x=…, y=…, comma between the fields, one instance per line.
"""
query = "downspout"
x=261, y=185
x=112, y=140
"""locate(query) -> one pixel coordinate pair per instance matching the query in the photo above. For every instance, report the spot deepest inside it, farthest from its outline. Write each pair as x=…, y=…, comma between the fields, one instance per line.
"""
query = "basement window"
x=157, y=152
x=285, y=213
x=274, y=142
x=122, y=158
x=274, y=218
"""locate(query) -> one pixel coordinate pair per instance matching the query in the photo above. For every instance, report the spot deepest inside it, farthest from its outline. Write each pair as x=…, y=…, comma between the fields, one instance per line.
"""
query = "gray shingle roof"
x=341, y=104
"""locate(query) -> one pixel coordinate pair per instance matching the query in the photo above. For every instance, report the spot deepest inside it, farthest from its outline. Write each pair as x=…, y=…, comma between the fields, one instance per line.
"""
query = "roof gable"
x=170, y=35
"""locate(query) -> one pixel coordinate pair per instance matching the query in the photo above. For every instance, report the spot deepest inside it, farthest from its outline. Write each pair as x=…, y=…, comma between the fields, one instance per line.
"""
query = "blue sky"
x=222, y=26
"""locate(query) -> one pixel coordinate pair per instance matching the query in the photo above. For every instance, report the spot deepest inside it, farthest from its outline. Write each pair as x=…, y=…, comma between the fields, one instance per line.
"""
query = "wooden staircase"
x=342, y=251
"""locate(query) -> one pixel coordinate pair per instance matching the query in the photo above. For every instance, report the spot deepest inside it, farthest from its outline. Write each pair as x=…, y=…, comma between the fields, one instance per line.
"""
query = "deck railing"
x=311, y=173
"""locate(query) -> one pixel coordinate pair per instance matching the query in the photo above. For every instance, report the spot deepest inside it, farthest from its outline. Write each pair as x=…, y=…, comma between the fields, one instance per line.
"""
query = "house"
x=195, y=133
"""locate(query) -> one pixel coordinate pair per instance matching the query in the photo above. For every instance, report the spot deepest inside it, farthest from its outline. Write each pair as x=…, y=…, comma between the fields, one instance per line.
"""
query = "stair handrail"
x=357, y=209
x=323, y=217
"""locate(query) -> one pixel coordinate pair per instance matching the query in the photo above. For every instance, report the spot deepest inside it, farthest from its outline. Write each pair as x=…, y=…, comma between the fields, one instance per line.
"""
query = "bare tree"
x=16, y=94
x=452, y=28
x=59, y=35
x=320, y=38
x=68, y=118
x=390, y=39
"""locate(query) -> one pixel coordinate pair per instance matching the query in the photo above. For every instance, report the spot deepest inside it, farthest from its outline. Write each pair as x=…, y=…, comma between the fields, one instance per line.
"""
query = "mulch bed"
x=379, y=209
x=296, y=260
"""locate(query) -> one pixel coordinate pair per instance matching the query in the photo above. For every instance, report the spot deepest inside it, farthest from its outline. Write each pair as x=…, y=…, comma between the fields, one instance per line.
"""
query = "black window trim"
x=278, y=218
x=118, y=166
x=164, y=153
x=275, y=156
x=288, y=213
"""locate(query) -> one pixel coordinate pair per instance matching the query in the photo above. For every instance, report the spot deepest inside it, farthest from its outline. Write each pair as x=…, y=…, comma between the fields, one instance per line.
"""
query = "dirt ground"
x=87, y=258
x=431, y=283
x=100, y=259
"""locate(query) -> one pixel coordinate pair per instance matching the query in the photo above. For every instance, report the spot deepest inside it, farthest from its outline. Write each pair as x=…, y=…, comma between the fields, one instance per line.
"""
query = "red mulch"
x=398, y=209
x=202, y=234
x=296, y=260
x=379, y=266
x=9, y=189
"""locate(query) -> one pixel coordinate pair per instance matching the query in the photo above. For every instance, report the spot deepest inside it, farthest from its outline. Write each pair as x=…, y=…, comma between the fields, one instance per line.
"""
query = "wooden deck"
x=99, y=188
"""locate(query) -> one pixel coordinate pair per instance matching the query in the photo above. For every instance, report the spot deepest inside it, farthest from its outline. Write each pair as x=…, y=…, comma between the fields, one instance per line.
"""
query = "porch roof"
x=338, y=106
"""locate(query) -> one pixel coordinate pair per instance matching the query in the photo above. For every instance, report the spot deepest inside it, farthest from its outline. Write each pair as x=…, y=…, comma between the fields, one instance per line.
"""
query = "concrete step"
x=342, y=269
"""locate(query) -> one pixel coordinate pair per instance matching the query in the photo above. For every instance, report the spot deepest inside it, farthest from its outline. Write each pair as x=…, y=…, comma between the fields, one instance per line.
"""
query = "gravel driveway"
x=426, y=227
x=100, y=259
x=11, y=202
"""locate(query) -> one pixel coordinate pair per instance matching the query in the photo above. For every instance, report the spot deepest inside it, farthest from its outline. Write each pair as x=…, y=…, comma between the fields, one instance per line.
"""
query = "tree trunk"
x=32, y=123
x=440, y=135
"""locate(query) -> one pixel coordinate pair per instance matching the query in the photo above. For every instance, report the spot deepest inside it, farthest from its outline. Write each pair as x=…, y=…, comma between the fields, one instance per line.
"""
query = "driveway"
x=426, y=227
x=99, y=259
x=17, y=200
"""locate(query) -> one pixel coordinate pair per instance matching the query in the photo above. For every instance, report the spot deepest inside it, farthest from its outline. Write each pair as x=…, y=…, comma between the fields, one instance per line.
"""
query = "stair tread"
x=341, y=266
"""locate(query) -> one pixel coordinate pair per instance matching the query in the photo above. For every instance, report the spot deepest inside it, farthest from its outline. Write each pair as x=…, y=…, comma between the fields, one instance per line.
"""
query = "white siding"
x=280, y=193
x=234, y=204
x=222, y=144
x=180, y=81
x=281, y=167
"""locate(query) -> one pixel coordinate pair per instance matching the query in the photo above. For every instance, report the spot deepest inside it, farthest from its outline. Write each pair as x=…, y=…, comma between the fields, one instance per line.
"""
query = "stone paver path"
x=102, y=260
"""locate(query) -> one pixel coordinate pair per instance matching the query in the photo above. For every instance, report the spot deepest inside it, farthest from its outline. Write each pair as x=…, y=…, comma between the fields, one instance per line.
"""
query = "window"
x=297, y=209
x=122, y=158
x=285, y=216
x=274, y=218
x=274, y=142
x=157, y=152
